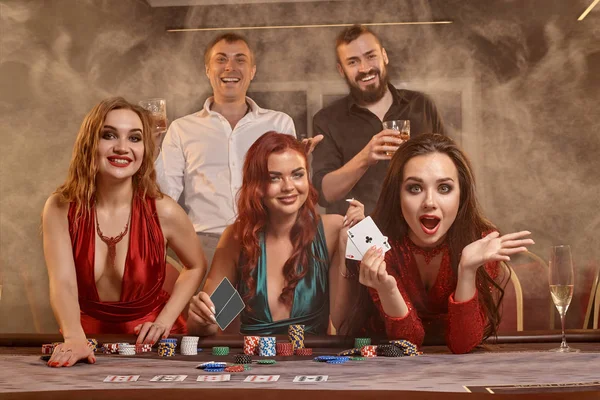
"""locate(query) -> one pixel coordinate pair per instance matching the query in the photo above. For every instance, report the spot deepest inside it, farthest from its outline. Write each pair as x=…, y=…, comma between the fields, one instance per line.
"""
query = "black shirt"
x=347, y=128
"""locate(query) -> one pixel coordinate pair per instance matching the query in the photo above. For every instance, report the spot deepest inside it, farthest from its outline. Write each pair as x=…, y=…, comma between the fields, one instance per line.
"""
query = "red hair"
x=253, y=216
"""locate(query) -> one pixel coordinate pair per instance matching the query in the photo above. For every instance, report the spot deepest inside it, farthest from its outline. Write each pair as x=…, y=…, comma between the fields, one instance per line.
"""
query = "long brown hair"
x=80, y=185
x=469, y=225
x=253, y=216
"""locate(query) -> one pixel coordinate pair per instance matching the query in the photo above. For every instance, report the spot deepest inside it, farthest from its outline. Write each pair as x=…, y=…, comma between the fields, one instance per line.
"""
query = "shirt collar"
x=255, y=110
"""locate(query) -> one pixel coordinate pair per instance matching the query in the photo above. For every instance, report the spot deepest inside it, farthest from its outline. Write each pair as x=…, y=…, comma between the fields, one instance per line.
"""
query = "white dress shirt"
x=203, y=158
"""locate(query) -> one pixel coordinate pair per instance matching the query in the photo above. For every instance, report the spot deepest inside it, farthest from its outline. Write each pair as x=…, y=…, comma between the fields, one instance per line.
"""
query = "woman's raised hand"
x=202, y=310
x=494, y=247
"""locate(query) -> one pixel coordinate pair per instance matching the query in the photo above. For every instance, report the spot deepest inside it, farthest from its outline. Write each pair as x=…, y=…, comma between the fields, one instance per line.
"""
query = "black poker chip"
x=242, y=359
x=392, y=351
x=382, y=348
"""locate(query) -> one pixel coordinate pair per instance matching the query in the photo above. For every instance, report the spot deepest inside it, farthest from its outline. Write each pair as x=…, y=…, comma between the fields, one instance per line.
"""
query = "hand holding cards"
x=228, y=303
x=363, y=236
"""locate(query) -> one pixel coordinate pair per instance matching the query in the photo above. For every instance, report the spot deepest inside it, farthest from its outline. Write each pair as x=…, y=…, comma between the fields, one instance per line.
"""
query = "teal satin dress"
x=311, y=296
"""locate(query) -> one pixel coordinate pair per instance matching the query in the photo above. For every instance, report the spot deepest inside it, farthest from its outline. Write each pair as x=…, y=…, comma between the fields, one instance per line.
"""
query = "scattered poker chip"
x=266, y=362
x=247, y=367
x=350, y=352
x=357, y=358
x=304, y=351
x=214, y=369
x=324, y=358
x=235, y=368
x=336, y=361
x=384, y=347
x=213, y=365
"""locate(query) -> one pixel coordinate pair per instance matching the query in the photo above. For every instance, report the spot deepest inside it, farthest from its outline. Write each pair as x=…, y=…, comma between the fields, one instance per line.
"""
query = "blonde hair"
x=80, y=185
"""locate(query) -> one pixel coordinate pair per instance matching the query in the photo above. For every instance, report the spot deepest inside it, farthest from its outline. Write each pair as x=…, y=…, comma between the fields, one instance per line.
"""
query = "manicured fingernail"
x=213, y=318
x=350, y=200
x=213, y=310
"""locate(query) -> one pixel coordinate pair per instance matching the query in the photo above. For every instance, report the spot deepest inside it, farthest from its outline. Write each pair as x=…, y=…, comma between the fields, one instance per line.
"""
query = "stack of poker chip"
x=296, y=336
x=126, y=349
x=166, y=347
x=368, y=351
x=285, y=349
x=266, y=346
x=93, y=343
x=305, y=351
x=360, y=342
x=407, y=348
x=220, y=351
x=110, y=348
x=242, y=359
x=189, y=345
x=143, y=348
x=251, y=345
x=47, y=348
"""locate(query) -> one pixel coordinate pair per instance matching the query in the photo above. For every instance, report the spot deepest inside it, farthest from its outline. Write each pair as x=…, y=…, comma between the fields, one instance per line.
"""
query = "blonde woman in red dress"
x=105, y=234
x=441, y=278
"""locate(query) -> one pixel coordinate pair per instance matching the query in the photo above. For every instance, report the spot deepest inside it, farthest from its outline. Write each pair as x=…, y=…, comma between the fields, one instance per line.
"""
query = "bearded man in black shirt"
x=352, y=158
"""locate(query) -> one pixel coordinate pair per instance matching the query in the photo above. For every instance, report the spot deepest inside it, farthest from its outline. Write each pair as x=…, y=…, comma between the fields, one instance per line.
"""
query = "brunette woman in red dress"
x=105, y=235
x=441, y=277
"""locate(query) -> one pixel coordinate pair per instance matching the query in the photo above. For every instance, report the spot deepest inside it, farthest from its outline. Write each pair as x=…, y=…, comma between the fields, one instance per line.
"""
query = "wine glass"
x=560, y=277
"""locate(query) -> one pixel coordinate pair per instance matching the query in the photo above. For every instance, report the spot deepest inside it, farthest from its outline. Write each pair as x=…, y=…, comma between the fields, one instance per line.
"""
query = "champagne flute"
x=561, y=279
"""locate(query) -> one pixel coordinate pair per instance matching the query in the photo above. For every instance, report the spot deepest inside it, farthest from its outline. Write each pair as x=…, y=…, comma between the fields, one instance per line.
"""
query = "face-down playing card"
x=228, y=303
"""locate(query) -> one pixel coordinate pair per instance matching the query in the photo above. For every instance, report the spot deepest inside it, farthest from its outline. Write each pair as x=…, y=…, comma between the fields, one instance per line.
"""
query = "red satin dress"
x=433, y=313
x=142, y=296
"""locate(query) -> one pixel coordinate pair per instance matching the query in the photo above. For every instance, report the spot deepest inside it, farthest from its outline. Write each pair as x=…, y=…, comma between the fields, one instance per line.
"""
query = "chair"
x=514, y=291
x=529, y=277
x=591, y=305
x=596, y=307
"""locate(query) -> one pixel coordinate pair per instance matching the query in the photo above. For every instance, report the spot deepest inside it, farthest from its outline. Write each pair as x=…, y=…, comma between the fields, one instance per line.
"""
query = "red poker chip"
x=304, y=351
x=235, y=368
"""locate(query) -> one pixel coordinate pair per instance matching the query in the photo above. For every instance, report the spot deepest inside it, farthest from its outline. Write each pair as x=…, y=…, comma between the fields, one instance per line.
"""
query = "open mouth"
x=119, y=162
x=429, y=224
x=230, y=80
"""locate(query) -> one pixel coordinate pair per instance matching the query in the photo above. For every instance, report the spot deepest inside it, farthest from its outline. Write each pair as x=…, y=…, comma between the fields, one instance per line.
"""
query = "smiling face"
x=429, y=198
x=120, y=148
x=288, y=185
x=362, y=63
x=230, y=70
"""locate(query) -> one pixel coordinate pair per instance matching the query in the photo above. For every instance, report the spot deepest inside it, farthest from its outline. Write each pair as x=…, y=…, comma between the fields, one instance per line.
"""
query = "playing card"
x=213, y=378
x=121, y=378
x=228, y=303
x=261, y=378
x=310, y=378
x=168, y=378
x=352, y=252
x=366, y=234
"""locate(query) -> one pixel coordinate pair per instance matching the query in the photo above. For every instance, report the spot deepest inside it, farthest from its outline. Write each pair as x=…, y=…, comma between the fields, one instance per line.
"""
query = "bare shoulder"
x=230, y=241
x=55, y=208
x=166, y=207
x=332, y=223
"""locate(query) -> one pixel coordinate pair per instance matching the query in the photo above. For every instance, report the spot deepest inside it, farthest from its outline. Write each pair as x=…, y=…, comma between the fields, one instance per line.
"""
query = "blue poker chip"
x=214, y=369
x=325, y=358
x=337, y=361
x=199, y=349
x=213, y=365
x=342, y=358
x=173, y=340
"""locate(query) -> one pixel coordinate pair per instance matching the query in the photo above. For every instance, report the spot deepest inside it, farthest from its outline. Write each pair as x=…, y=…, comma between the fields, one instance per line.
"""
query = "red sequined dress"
x=432, y=313
x=142, y=296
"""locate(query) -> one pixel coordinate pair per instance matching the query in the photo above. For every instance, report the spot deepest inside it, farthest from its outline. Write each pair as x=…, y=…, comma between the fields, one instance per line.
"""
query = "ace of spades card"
x=366, y=234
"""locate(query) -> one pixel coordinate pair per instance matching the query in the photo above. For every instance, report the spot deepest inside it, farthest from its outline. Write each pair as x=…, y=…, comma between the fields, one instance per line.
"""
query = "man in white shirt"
x=203, y=153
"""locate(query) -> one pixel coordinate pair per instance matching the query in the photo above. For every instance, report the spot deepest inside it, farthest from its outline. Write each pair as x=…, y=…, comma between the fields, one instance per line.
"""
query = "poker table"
x=511, y=366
